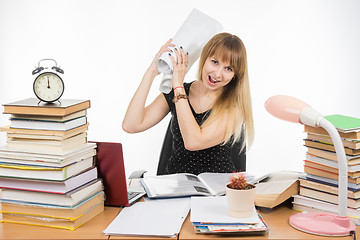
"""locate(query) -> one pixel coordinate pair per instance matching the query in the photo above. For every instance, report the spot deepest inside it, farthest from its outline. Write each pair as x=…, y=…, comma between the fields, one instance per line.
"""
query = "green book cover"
x=344, y=123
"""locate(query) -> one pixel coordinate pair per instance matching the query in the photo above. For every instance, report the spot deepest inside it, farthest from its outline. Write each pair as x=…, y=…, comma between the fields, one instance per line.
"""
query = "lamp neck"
x=311, y=117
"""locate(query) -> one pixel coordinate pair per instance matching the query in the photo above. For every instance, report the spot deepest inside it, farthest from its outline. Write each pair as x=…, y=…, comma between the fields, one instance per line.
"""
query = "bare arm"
x=139, y=118
x=195, y=137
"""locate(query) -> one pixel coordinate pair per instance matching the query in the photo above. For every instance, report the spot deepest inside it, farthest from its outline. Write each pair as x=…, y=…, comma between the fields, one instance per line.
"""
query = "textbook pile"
x=319, y=189
x=47, y=172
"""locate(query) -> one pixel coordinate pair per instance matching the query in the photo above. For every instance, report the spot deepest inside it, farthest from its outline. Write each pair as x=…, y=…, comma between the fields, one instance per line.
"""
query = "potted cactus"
x=241, y=196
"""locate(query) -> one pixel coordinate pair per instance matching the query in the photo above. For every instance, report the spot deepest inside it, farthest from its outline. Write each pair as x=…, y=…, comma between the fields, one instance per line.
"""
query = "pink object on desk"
x=322, y=224
x=293, y=110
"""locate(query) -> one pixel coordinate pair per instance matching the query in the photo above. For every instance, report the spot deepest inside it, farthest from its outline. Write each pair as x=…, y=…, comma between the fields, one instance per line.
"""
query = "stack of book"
x=209, y=215
x=319, y=189
x=48, y=175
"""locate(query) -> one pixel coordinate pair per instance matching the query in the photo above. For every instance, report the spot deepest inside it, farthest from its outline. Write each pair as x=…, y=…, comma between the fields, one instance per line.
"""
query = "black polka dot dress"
x=213, y=159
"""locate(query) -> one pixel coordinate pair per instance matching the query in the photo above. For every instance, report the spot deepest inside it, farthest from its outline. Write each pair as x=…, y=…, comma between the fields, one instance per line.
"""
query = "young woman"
x=208, y=115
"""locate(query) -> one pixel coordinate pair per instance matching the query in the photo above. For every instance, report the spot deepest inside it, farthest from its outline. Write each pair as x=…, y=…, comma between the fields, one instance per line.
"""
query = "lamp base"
x=323, y=224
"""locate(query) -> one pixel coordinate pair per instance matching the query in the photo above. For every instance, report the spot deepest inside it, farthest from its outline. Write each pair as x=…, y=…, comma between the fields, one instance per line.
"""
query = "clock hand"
x=48, y=86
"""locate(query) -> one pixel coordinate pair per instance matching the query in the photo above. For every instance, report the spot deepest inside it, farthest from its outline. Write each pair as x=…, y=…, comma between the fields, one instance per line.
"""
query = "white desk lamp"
x=293, y=110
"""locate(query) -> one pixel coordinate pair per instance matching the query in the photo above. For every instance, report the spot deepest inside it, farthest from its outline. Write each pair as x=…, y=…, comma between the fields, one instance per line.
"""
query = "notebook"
x=111, y=169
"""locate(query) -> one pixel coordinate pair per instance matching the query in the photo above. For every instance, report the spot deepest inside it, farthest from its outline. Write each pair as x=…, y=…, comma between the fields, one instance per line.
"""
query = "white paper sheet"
x=151, y=218
x=215, y=210
x=195, y=32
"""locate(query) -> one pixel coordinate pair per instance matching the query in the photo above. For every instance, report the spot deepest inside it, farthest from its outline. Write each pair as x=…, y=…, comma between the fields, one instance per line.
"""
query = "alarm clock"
x=48, y=85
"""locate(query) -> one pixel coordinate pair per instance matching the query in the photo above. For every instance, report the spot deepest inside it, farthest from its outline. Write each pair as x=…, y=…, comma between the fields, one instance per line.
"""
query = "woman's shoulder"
x=187, y=86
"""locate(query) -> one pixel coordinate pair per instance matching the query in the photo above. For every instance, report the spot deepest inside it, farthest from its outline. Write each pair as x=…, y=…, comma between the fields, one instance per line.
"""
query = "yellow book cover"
x=53, y=222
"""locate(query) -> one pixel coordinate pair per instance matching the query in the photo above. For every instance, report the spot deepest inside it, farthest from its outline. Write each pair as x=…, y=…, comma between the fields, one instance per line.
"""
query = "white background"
x=308, y=49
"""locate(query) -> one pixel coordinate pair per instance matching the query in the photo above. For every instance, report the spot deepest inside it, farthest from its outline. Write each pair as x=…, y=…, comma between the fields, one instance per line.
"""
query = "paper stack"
x=319, y=189
x=47, y=172
x=209, y=215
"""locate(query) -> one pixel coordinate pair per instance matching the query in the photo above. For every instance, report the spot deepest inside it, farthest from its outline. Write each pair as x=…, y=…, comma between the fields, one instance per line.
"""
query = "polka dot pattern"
x=213, y=159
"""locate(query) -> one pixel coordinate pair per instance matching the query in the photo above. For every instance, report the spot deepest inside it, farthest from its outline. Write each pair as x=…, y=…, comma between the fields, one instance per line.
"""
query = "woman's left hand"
x=179, y=66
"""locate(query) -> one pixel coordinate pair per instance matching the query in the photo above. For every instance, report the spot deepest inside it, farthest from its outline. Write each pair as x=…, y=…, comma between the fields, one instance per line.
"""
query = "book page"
x=173, y=185
x=278, y=187
x=277, y=182
x=275, y=187
x=284, y=175
x=216, y=182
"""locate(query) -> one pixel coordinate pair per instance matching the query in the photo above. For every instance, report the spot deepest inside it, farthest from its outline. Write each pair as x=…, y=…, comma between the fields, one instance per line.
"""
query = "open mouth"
x=212, y=81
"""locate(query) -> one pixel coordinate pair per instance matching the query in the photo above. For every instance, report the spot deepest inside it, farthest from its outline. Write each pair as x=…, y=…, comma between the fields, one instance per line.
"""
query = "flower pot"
x=240, y=202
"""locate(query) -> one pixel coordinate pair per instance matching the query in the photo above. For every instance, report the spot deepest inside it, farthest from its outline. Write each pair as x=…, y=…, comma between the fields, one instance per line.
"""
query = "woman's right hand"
x=164, y=48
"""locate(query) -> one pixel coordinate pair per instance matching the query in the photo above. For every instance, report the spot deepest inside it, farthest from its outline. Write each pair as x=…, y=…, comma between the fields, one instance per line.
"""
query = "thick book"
x=53, y=222
x=70, y=199
x=328, y=174
x=331, y=163
x=48, y=159
x=347, y=142
x=41, y=155
x=32, y=106
x=351, y=193
x=329, y=147
x=48, y=125
x=322, y=131
x=61, y=187
x=46, y=173
x=332, y=156
x=327, y=197
x=43, y=134
x=187, y=184
x=331, y=169
x=48, y=145
x=277, y=188
x=53, y=211
x=71, y=116
x=331, y=182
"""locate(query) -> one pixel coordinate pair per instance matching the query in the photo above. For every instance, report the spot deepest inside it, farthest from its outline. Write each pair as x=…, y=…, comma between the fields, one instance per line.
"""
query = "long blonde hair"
x=234, y=100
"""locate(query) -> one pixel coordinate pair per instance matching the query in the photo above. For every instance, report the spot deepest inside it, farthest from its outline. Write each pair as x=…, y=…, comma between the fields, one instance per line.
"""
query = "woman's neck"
x=201, y=98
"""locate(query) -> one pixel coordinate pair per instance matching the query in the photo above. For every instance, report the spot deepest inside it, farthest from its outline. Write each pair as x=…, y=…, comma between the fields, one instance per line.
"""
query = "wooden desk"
x=276, y=219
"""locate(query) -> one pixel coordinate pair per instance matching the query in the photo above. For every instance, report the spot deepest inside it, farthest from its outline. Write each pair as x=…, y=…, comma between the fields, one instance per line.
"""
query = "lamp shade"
x=285, y=107
x=292, y=109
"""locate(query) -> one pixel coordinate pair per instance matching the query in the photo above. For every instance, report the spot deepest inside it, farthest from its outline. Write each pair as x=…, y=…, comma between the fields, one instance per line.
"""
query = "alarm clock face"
x=48, y=87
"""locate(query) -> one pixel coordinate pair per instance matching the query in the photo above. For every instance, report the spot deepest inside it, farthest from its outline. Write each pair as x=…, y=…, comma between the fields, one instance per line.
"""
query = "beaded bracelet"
x=180, y=96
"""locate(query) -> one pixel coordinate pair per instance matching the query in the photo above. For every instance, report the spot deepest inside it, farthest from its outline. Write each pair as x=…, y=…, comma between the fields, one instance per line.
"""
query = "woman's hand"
x=179, y=67
x=164, y=48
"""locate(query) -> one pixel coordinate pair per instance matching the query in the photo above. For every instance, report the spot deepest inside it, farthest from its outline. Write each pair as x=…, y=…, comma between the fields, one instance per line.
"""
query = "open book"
x=186, y=184
x=278, y=187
